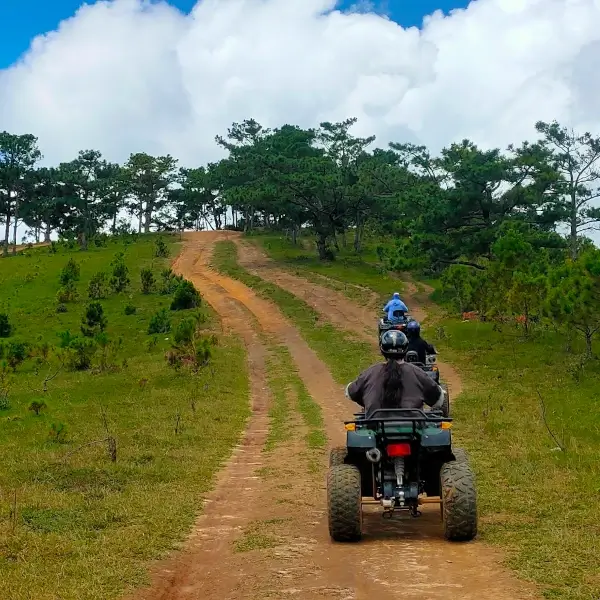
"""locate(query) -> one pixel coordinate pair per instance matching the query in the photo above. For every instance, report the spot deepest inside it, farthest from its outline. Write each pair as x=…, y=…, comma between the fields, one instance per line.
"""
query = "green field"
x=538, y=502
x=63, y=502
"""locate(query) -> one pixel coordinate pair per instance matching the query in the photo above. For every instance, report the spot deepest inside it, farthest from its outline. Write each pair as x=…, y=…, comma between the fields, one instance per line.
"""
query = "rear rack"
x=393, y=417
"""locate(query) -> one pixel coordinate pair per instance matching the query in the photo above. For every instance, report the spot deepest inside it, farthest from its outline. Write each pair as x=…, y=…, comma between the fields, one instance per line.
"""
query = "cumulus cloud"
x=130, y=75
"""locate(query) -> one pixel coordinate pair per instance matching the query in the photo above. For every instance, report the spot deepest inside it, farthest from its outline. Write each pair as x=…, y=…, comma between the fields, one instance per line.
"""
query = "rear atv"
x=401, y=458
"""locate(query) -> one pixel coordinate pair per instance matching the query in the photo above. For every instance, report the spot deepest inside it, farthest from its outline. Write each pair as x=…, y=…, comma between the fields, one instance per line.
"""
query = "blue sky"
x=24, y=19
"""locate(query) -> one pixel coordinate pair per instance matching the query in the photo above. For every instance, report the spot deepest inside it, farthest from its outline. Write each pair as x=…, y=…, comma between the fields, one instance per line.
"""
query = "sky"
x=132, y=75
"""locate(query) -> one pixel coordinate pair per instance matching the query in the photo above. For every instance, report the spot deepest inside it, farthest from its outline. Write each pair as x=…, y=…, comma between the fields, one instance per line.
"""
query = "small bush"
x=161, y=250
x=148, y=281
x=61, y=308
x=93, y=321
x=70, y=273
x=67, y=293
x=160, y=322
x=98, y=286
x=5, y=326
x=37, y=407
x=120, y=273
x=130, y=309
x=16, y=353
x=186, y=296
x=58, y=433
x=109, y=350
x=184, y=332
x=78, y=351
x=170, y=282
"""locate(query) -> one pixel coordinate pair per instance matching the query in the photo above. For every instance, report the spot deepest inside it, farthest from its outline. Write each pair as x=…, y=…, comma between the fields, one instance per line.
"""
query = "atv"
x=385, y=324
x=401, y=458
x=430, y=367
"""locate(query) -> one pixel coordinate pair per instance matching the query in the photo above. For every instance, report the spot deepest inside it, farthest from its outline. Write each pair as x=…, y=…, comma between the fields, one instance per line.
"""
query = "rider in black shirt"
x=416, y=343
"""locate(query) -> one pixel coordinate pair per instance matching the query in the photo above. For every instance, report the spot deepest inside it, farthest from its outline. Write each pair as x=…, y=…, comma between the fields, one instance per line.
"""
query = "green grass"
x=66, y=504
x=349, y=268
x=539, y=504
x=344, y=355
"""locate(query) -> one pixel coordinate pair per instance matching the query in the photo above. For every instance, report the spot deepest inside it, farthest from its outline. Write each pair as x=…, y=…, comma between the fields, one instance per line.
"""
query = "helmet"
x=393, y=344
x=413, y=328
x=397, y=295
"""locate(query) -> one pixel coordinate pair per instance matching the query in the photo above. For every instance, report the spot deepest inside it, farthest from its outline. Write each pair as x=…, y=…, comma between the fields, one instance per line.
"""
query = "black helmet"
x=413, y=328
x=393, y=344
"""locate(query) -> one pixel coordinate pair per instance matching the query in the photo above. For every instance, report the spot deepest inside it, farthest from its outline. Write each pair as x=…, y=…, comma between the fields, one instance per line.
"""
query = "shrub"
x=61, y=308
x=161, y=250
x=108, y=352
x=93, y=320
x=79, y=353
x=98, y=286
x=186, y=296
x=58, y=433
x=37, y=407
x=148, y=281
x=160, y=322
x=70, y=273
x=184, y=332
x=16, y=353
x=67, y=293
x=130, y=309
x=120, y=274
x=5, y=326
x=170, y=282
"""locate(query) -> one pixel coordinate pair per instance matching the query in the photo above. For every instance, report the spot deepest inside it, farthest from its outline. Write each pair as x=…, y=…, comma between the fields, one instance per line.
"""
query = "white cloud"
x=128, y=75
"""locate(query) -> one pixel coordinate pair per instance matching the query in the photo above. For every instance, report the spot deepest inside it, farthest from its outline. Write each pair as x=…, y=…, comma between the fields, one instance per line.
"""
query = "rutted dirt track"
x=402, y=558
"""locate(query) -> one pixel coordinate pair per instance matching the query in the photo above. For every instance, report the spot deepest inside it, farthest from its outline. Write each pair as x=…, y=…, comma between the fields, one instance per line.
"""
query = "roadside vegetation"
x=530, y=420
x=110, y=434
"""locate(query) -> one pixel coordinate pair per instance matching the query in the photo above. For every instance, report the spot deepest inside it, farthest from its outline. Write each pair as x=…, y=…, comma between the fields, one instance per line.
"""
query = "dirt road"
x=277, y=497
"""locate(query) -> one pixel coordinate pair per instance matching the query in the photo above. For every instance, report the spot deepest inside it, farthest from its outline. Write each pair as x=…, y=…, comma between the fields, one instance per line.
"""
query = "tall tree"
x=149, y=180
x=577, y=158
x=18, y=155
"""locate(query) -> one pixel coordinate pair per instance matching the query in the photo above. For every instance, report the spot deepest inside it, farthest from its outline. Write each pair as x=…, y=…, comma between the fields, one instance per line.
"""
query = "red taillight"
x=398, y=450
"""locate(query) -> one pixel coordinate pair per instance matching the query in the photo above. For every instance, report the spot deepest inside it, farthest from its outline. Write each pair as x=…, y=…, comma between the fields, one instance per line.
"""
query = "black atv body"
x=401, y=458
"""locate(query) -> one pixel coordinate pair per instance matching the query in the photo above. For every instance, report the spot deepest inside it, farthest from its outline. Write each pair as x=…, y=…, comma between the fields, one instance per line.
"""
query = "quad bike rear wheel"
x=344, y=503
x=459, y=499
x=337, y=456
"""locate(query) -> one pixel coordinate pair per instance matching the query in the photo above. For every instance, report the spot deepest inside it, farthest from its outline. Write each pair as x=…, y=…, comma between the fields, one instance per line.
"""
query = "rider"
x=393, y=306
x=416, y=342
x=394, y=383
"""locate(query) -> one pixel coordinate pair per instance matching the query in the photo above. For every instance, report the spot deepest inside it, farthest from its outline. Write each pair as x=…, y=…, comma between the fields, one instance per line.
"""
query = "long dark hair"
x=392, y=384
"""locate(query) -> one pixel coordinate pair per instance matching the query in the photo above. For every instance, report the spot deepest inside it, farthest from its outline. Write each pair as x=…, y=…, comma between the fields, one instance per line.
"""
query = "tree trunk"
x=114, y=224
x=588, y=342
x=6, y=234
x=15, y=225
x=573, y=232
x=294, y=235
x=322, y=245
x=47, y=233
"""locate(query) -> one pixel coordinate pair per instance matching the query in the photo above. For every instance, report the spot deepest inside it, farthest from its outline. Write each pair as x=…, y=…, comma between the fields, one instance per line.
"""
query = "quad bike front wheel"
x=344, y=503
x=337, y=456
x=459, y=500
x=446, y=404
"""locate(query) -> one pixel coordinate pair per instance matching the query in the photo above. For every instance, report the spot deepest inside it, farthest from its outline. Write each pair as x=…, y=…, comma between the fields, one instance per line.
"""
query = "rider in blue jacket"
x=393, y=306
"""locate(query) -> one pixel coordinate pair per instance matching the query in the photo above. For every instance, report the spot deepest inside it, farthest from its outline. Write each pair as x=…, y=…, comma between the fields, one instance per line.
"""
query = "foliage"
x=170, y=282
x=98, y=286
x=130, y=309
x=5, y=326
x=161, y=250
x=186, y=296
x=160, y=322
x=120, y=273
x=70, y=273
x=148, y=280
x=67, y=294
x=93, y=321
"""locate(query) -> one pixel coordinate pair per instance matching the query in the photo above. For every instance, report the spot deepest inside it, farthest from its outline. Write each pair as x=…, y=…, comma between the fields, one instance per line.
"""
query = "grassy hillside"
x=73, y=523
x=538, y=502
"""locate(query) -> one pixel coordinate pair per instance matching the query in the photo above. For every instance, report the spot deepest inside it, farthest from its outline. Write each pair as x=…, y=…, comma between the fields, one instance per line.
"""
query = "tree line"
x=506, y=227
